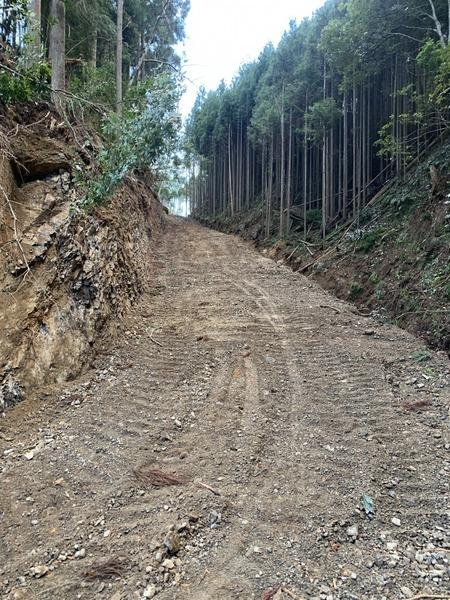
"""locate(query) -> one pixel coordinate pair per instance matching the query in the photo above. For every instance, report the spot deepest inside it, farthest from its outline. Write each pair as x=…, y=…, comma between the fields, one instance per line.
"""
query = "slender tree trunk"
x=354, y=152
x=230, y=172
x=34, y=8
x=289, y=171
x=305, y=168
x=247, y=173
x=93, y=57
x=119, y=57
x=57, y=51
x=282, y=169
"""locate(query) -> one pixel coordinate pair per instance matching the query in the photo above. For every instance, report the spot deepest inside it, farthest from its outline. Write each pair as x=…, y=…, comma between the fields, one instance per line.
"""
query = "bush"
x=356, y=290
x=26, y=84
x=143, y=136
x=369, y=239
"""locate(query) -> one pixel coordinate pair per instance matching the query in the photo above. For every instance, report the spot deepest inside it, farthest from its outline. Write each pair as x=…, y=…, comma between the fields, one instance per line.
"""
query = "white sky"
x=223, y=34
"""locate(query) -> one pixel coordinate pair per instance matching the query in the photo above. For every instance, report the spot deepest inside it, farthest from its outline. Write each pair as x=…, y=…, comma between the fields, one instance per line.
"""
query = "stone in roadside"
x=353, y=531
x=168, y=564
x=150, y=591
x=39, y=571
x=172, y=543
x=396, y=521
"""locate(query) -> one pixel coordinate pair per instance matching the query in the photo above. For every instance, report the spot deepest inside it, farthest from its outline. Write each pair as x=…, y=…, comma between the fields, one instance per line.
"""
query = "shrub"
x=26, y=84
x=356, y=290
x=369, y=239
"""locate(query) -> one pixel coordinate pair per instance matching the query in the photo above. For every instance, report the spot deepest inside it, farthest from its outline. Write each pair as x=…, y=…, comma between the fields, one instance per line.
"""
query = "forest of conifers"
x=318, y=126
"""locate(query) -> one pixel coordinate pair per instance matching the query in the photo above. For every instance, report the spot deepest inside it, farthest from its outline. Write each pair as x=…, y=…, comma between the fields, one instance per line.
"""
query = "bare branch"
x=437, y=24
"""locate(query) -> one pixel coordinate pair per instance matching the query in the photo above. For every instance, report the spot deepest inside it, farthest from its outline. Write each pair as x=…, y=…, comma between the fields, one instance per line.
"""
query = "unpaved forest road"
x=270, y=391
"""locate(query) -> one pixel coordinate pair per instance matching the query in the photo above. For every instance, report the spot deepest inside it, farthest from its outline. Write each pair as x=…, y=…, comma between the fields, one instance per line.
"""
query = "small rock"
x=396, y=521
x=214, y=519
x=391, y=545
x=80, y=553
x=160, y=554
x=353, y=531
x=172, y=543
x=39, y=571
x=168, y=564
x=406, y=592
x=150, y=591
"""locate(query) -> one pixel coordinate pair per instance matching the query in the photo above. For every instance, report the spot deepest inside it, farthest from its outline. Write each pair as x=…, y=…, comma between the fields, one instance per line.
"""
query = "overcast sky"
x=223, y=34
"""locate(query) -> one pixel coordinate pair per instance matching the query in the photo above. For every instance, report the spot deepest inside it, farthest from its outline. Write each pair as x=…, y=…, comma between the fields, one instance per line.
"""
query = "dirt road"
x=278, y=407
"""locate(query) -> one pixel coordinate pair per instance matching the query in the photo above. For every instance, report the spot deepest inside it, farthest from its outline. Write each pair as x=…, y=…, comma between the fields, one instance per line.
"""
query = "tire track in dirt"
x=232, y=373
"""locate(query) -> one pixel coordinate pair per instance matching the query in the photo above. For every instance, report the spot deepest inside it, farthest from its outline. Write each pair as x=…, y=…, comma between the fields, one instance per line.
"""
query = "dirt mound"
x=65, y=275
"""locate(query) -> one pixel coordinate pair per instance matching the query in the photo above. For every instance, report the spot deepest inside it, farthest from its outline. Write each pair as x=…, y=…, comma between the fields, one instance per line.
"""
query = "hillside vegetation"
x=344, y=123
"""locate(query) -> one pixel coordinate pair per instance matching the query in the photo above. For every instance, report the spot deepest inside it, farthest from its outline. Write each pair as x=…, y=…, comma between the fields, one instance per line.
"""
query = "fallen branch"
x=209, y=488
x=152, y=339
x=336, y=310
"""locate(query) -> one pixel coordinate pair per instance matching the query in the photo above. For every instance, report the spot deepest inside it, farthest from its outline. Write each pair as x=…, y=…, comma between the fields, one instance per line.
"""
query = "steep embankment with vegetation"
x=66, y=274
x=314, y=148
x=88, y=127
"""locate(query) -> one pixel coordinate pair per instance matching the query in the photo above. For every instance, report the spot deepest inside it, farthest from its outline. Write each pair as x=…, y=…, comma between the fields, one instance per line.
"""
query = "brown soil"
x=234, y=376
x=66, y=277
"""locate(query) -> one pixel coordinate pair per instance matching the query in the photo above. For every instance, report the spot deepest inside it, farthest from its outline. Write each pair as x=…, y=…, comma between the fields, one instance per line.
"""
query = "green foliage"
x=421, y=356
x=355, y=290
x=143, y=137
x=26, y=84
x=95, y=84
x=447, y=291
x=322, y=115
x=369, y=239
x=314, y=217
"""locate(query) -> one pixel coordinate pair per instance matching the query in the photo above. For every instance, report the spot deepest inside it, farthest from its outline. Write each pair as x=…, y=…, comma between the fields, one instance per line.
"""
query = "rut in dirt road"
x=278, y=408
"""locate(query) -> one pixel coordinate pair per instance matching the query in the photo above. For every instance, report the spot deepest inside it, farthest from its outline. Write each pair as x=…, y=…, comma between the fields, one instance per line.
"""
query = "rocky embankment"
x=66, y=275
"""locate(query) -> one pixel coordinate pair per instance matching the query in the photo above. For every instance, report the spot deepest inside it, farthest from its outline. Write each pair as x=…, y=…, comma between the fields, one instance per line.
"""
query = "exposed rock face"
x=65, y=278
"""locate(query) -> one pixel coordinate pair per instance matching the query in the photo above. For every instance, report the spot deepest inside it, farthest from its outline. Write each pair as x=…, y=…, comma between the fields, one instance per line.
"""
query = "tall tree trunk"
x=289, y=183
x=57, y=51
x=34, y=8
x=282, y=169
x=354, y=153
x=230, y=173
x=305, y=168
x=119, y=57
x=93, y=57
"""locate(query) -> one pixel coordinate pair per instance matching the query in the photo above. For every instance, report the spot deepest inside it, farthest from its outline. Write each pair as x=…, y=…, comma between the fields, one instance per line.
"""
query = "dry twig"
x=158, y=478
x=106, y=570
